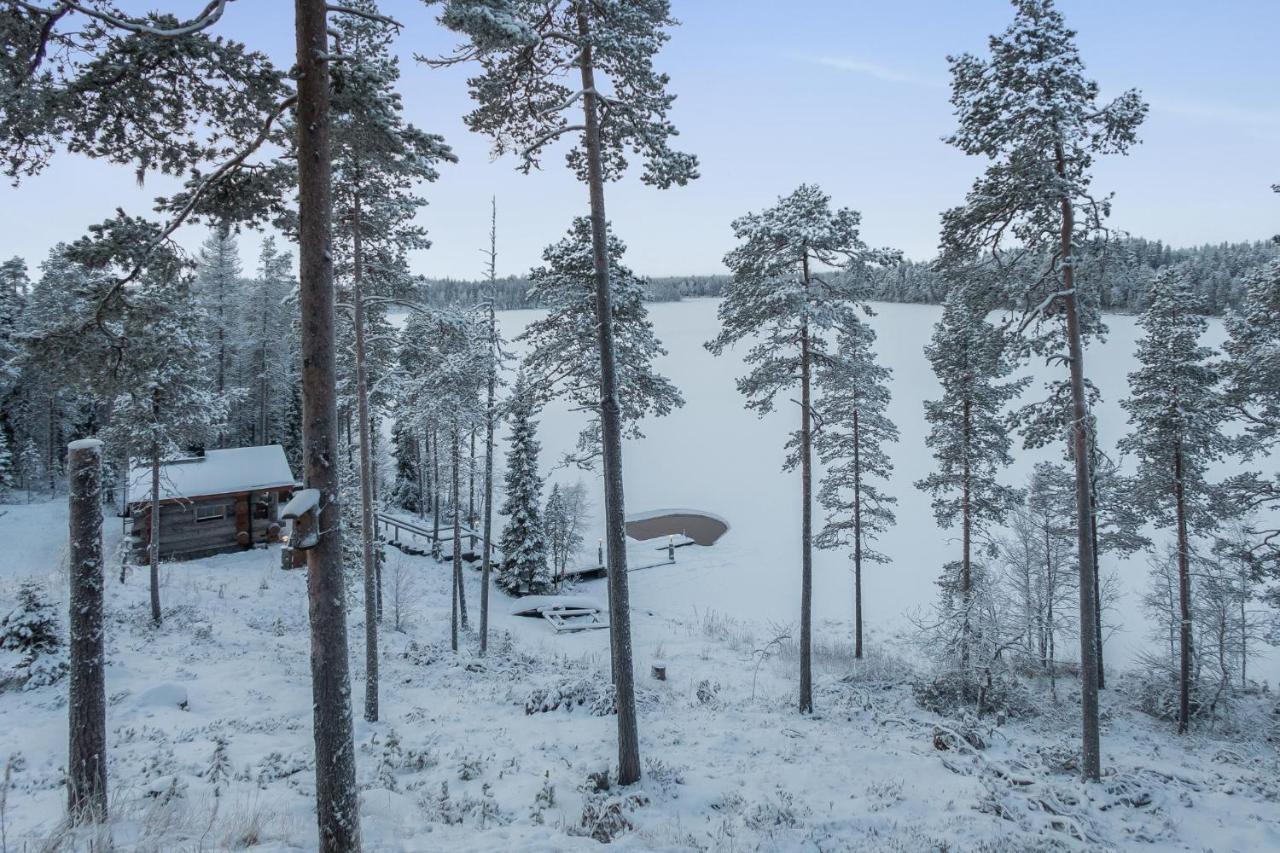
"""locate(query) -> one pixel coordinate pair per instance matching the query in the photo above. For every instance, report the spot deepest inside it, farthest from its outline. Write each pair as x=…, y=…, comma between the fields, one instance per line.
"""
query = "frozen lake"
x=713, y=454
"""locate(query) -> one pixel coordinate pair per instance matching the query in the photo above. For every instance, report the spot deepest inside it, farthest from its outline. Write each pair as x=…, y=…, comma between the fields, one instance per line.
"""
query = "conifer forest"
x=487, y=425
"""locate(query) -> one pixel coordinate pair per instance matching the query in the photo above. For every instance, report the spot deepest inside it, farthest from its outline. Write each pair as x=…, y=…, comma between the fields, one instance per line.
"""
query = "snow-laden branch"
x=185, y=212
x=369, y=16
x=207, y=17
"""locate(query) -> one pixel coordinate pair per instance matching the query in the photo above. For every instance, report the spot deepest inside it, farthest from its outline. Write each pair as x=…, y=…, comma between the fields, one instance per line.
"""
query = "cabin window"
x=211, y=512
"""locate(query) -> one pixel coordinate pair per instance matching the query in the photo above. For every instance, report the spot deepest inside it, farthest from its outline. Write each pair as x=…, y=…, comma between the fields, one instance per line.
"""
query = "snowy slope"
x=458, y=763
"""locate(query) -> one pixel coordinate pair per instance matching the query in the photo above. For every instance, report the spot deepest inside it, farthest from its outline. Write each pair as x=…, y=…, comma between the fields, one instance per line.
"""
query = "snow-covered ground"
x=458, y=762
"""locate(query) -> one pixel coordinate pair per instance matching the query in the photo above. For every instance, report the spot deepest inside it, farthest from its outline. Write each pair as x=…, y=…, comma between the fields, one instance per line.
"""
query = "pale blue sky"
x=851, y=95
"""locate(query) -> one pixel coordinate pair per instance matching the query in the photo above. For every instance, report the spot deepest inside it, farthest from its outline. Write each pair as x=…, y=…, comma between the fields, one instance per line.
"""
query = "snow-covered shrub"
x=605, y=817
x=777, y=812
x=31, y=629
x=218, y=773
x=544, y=799
x=951, y=691
x=708, y=693
x=662, y=774
x=275, y=766
x=590, y=693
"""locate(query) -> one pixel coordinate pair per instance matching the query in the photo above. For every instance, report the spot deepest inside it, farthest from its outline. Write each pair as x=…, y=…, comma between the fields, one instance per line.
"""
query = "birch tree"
x=783, y=299
x=1031, y=112
x=583, y=68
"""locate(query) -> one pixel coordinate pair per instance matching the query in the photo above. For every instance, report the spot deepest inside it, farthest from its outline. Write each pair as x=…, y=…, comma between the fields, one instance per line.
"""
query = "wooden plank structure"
x=416, y=539
x=217, y=502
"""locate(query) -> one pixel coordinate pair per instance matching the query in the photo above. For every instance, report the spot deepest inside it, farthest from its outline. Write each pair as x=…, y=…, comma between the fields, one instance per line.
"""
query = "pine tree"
x=218, y=293
x=405, y=449
x=163, y=403
x=559, y=363
x=494, y=358
x=8, y=477
x=377, y=158
x=531, y=52
x=970, y=438
x=1251, y=394
x=1177, y=418
x=269, y=344
x=782, y=298
x=190, y=102
x=523, y=543
x=855, y=428
x=1030, y=110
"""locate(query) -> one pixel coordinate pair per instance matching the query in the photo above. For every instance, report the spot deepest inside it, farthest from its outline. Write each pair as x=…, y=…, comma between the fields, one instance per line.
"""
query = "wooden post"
x=87, y=705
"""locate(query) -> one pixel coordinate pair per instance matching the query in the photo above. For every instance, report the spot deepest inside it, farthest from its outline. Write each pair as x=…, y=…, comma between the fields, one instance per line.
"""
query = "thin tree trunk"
x=420, y=451
x=457, y=525
x=471, y=490
x=435, y=488
x=1091, y=749
x=966, y=542
x=857, y=537
x=1184, y=594
x=337, y=802
x=806, y=515
x=366, y=474
x=379, y=556
x=1097, y=556
x=611, y=429
x=87, y=696
x=491, y=417
x=153, y=544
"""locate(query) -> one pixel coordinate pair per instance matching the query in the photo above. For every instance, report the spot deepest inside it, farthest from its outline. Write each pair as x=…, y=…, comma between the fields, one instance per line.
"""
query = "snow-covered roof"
x=218, y=472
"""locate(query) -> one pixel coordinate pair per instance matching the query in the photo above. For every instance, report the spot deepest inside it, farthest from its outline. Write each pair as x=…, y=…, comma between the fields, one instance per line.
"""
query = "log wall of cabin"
x=181, y=535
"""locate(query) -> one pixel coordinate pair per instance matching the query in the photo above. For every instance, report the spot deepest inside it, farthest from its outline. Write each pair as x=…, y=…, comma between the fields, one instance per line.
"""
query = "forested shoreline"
x=1217, y=273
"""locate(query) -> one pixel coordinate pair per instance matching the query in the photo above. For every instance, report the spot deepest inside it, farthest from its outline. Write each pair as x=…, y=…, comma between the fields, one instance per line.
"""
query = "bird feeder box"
x=302, y=515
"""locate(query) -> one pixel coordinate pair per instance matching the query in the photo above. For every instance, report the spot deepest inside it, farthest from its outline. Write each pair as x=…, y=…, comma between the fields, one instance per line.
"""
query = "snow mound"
x=164, y=695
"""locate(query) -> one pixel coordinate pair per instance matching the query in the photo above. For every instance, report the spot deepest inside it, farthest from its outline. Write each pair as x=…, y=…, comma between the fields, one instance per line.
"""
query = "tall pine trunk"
x=1184, y=593
x=611, y=429
x=857, y=537
x=153, y=545
x=1091, y=749
x=87, y=695
x=337, y=803
x=491, y=417
x=366, y=474
x=806, y=514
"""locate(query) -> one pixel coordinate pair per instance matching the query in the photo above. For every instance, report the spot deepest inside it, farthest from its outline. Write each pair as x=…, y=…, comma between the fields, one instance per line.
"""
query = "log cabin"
x=212, y=503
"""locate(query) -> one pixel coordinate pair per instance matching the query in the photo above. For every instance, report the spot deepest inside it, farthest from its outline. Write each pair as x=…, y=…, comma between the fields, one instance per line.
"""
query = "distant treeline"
x=1217, y=273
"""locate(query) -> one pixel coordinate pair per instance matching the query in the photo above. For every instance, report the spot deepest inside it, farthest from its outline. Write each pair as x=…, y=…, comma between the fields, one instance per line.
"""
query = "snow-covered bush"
x=951, y=691
x=32, y=630
x=596, y=697
x=605, y=817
